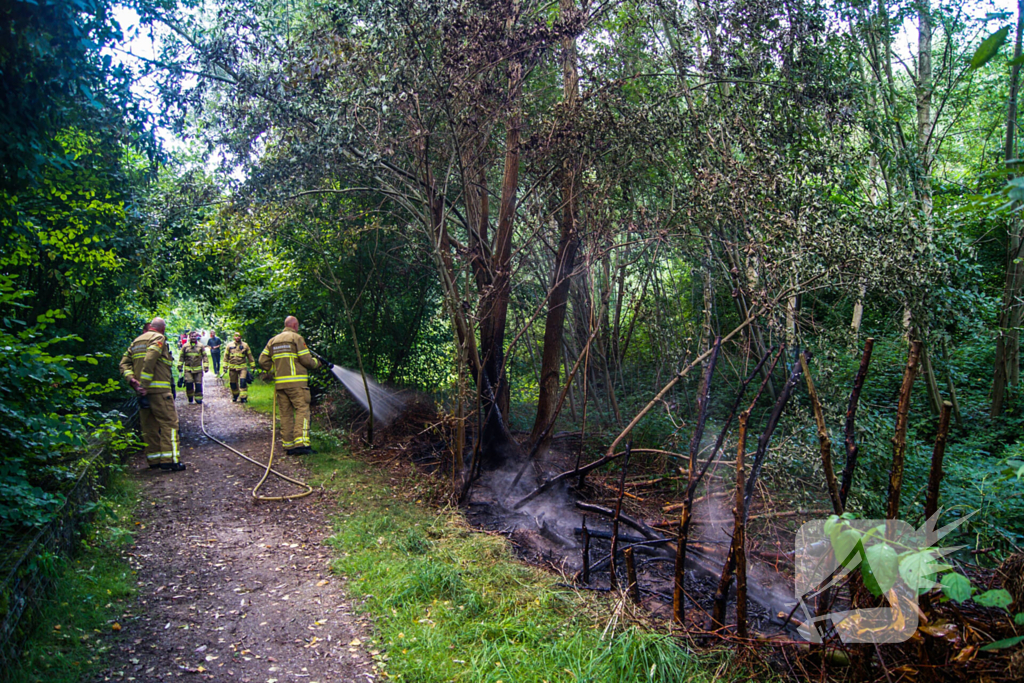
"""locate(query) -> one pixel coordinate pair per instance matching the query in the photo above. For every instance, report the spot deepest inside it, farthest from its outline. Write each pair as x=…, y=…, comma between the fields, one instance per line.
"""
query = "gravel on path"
x=229, y=590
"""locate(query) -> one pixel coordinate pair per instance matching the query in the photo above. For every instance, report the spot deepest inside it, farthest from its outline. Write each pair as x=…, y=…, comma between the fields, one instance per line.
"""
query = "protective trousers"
x=194, y=385
x=239, y=380
x=160, y=429
x=293, y=408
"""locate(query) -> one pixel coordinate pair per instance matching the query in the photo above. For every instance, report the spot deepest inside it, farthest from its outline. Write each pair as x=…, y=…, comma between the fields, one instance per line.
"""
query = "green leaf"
x=989, y=48
x=1000, y=597
x=918, y=570
x=881, y=571
x=845, y=546
x=830, y=524
x=956, y=587
x=1018, y=618
x=1001, y=644
x=1018, y=61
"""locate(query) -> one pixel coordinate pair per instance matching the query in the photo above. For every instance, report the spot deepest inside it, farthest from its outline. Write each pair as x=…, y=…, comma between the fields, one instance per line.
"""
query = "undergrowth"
x=71, y=634
x=452, y=604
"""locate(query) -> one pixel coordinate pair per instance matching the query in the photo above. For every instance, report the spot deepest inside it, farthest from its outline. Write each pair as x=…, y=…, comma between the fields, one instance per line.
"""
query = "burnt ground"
x=229, y=590
x=548, y=531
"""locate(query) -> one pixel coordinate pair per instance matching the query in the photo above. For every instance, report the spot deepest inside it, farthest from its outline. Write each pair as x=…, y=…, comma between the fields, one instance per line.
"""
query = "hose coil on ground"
x=268, y=467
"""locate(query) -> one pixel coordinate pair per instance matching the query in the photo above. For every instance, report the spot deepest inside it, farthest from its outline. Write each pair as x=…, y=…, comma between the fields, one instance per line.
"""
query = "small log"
x=633, y=590
x=823, y=439
x=899, y=440
x=586, y=469
x=931, y=503
x=614, y=580
x=564, y=476
x=667, y=542
x=851, y=417
x=626, y=538
x=647, y=531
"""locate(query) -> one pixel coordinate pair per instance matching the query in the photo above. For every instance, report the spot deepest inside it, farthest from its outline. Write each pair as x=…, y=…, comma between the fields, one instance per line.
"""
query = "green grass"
x=450, y=604
x=70, y=637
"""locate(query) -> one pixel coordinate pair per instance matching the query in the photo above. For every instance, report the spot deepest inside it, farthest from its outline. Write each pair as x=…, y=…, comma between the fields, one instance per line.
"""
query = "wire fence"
x=29, y=571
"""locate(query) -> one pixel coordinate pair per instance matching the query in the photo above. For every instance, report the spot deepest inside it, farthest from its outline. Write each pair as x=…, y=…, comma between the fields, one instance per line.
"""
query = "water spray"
x=382, y=404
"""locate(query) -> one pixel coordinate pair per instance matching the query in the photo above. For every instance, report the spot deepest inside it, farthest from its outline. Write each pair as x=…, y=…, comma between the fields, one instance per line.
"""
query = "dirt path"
x=229, y=590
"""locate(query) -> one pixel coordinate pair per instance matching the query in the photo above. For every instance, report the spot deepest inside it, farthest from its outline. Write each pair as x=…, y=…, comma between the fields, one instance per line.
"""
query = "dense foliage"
x=472, y=198
x=422, y=178
x=75, y=158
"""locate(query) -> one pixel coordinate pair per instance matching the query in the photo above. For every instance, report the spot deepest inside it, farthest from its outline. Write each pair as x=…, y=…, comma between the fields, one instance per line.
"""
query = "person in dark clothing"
x=214, y=344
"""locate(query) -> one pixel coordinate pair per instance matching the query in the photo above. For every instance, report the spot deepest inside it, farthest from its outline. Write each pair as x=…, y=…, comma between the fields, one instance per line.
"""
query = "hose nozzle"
x=326, y=363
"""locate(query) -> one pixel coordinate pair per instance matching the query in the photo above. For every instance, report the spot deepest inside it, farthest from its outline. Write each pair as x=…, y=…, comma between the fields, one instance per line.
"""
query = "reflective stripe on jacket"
x=288, y=358
x=192, y=358
x=149, y=360
x=238, y=356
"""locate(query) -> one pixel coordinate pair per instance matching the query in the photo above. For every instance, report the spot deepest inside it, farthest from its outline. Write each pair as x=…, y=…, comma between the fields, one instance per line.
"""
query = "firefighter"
x=192, y=364
x=238, y=357
x=289, y=360
x=146, y=365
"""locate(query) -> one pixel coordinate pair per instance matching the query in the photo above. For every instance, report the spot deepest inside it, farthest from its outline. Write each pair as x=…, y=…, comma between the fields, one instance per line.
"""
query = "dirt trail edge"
x=229, y=590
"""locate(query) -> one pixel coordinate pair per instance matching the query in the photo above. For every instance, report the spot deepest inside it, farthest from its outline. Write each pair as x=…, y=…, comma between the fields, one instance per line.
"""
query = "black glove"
x=181, y=381
x=144, y=402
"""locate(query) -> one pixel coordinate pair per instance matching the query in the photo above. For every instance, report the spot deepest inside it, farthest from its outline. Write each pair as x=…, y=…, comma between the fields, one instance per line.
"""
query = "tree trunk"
x=494, y=303
x=924, y=105
x=1007, y=366
x=899, y=440
x=568, y=244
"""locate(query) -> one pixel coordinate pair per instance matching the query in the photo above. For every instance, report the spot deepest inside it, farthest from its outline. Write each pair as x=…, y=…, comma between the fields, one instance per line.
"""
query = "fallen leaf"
x=941, y=629
x=116, y=627
x=966, y=654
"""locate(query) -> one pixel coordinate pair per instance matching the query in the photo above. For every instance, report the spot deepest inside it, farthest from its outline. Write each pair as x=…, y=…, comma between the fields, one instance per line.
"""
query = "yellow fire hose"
x=268, y=469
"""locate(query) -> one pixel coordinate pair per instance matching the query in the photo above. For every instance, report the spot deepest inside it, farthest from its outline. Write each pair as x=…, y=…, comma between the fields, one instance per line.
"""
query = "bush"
x=48, y=414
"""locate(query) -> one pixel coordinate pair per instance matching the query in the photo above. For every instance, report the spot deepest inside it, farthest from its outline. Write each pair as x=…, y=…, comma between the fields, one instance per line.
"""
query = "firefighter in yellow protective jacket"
x=146, y=365
x=192, y=363
x=239, y=357
x=288, y=358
